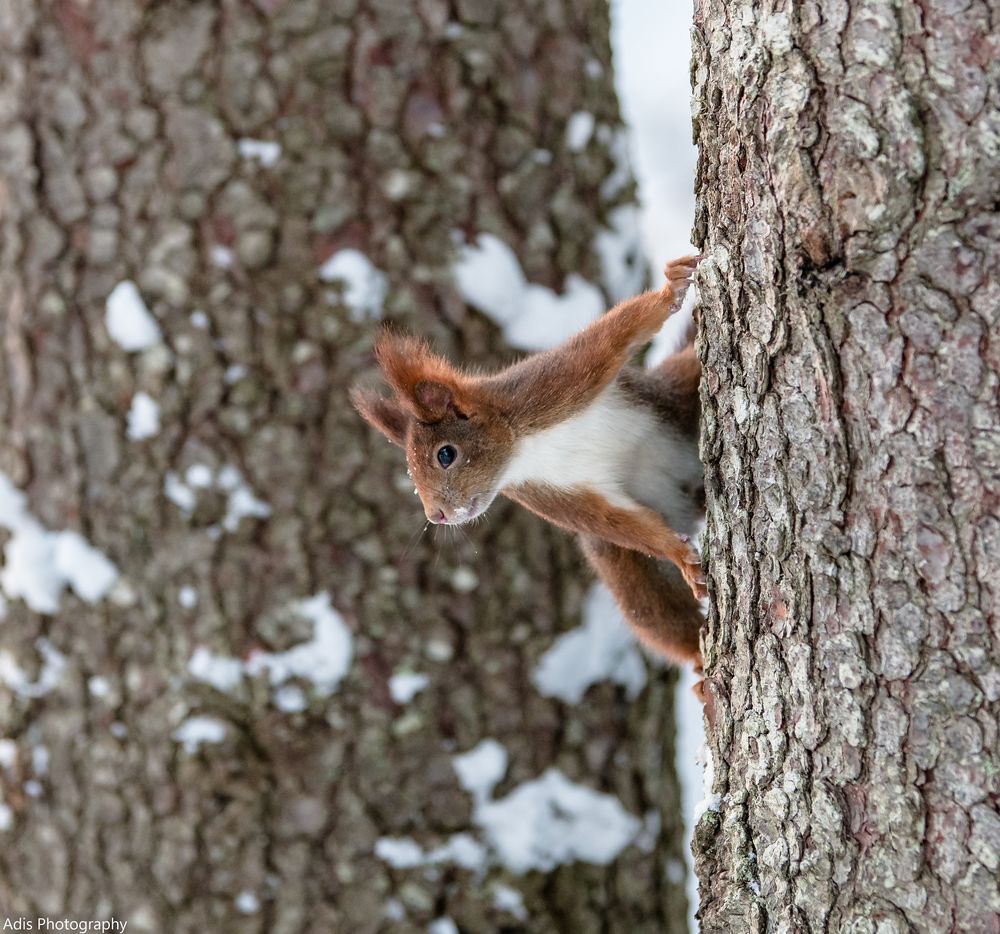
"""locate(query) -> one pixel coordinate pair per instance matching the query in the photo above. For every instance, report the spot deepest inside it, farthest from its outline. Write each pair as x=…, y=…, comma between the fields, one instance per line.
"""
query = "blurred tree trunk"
x=399, y=129
x=848, y=201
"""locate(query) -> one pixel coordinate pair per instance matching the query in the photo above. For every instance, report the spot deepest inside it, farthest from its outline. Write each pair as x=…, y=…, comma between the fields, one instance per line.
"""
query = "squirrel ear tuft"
x=428, y=385
x=387, y=415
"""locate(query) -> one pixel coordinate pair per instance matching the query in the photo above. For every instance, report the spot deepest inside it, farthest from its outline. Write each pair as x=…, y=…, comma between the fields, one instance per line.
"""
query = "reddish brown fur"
x=653, y=596
x=589, y=513
x=483, y=416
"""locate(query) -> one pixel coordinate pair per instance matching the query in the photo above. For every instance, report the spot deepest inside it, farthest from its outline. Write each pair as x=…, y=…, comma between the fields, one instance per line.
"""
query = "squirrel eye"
x=446, y=456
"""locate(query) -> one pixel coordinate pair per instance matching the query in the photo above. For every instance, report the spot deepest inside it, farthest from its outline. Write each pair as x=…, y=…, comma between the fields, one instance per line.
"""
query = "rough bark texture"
x=399, y=124
x=847, y=188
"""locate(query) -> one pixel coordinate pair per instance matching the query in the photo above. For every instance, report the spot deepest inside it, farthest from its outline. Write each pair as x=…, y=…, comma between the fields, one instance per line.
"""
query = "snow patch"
x=712, y=801
x=6, y=817
x=195, y=731
x=222, y=257
x=404, y=686
x=533, y=317
x=290, y=698
x=551, y=820
x=187, y=597
x=266, y=152
x=8, y=754
x=481, y=768
x=579, y=129
x=507, y=898
x=247, y=903
x=99, y=687
x=619, y=249
x=621, y=173
x=241, y=503
x=128, y=319
x=602, y=649
x=364, y=285
x=39, y=565
x=442, y=926
x=399, y=852
x=143, y=417
x=323, y=660
x=221, y=672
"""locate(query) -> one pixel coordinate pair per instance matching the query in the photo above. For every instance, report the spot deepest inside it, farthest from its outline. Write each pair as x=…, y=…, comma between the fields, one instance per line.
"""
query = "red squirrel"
x=594, y=446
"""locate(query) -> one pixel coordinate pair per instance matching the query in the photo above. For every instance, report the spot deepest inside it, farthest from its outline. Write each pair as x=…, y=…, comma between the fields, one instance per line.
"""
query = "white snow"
x=263, y=151
x=98, y=686
x=463, y=850
x=532, y=316
x=712, y=800
x=543, y=822
x=88, y=572
x=221, y=672
x=39, y=565
x=143, y=417
x=6, y=817
x=579, y=129
x=365, y=286
x=179, y=493
x=290, y=698
x=601, y=649
x=241, y=503
x=651, y=58
x=187, y=597
x=405, y=853
x=40, y=760
x=442, y=926
x=619, y=249
x=198, y=318
x=128, y=319
x=481, y=768
x=324, y=660
x=195, y=731
x=3, y=607
x=247, y=903
x=405, y=685
x=199, y=476
x=222, y=257
x=234, y=373
x=400, y=852
x=617, y=142
x=551, y=820
x=507, y=898
x=8, y=754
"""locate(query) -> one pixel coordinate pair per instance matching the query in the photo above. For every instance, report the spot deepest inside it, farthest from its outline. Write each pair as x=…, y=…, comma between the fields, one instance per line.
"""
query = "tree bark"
x=847, y=200
x=399, y=125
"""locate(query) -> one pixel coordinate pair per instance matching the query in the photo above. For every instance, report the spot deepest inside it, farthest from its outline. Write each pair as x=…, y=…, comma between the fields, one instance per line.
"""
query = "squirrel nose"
x=438, y=517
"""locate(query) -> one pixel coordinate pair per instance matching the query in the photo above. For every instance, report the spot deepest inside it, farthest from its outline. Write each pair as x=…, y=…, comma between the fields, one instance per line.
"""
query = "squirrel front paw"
x=679, y=273
x=693, y=574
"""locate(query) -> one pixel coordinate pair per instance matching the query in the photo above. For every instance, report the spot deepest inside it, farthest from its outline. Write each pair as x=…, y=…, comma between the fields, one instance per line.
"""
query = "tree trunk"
x=260, y=488
x=847, y=185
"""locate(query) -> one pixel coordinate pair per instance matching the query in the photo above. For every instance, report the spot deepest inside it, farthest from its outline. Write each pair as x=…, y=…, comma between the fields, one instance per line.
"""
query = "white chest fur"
x=619, y=449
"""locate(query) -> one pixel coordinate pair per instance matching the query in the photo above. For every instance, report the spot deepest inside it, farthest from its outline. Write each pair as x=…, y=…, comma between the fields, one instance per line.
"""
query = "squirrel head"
x=457, y=442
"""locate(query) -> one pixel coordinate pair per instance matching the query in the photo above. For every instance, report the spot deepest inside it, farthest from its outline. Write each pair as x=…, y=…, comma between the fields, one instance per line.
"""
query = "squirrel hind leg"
x=654, y=598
